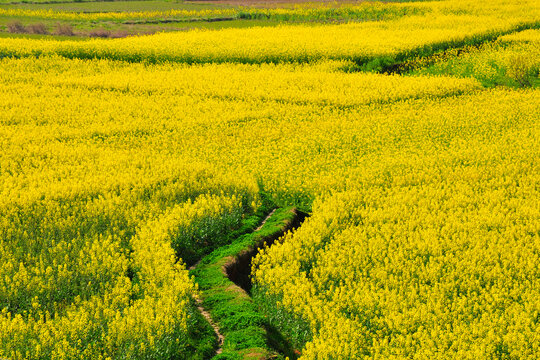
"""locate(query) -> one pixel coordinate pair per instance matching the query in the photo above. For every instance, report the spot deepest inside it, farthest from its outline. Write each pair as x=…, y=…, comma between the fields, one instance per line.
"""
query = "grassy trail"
x=224, y=280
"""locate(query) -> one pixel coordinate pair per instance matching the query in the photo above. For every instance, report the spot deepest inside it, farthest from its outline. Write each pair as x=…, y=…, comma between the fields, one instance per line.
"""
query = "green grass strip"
x=238, y=317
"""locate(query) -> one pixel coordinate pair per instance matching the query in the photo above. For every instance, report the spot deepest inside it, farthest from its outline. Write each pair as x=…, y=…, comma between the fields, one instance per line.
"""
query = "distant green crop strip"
x=364, y=11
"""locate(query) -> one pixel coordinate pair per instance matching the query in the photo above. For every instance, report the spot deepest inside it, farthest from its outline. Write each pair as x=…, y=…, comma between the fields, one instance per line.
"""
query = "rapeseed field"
x=412, y=140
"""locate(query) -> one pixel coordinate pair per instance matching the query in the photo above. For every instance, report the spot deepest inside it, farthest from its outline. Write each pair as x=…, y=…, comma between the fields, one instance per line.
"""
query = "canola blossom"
x=510, y=60
x=362, y=11
x=359, y=42
x=115, y=173
x=131, y=155
x=124, y=15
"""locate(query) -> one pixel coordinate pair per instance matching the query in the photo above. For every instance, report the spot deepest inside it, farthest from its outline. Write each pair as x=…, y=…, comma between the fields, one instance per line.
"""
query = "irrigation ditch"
x=224, y=280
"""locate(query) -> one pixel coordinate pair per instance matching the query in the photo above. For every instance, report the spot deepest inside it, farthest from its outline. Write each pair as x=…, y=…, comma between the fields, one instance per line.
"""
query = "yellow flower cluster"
x=424, y=238
x=302, y=12
x=88, y=222
x=76, y=283
x=329, y=87
x=325, y=11
x=443, y=269
x=511, y=60
x=431, y=248
x=124, y=15
x=97, y=155
x=352, y=41
x=532, y=35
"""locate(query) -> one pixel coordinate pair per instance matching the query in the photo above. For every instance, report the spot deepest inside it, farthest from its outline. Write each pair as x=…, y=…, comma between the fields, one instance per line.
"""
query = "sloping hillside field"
x=397, y=143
